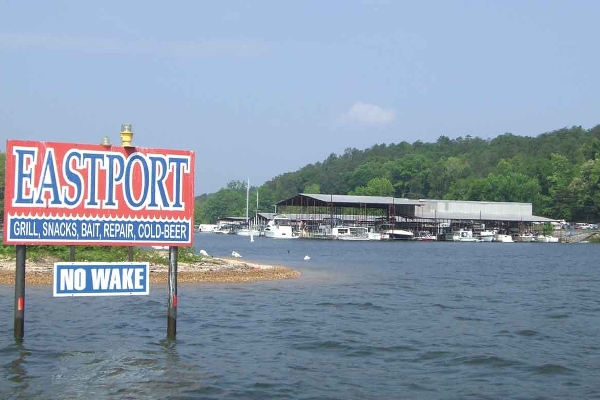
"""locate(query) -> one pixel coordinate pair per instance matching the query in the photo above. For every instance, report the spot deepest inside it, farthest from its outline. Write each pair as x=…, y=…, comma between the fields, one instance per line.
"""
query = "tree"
x=376, y=187
x=312, y=188
x=560, y=196
x=444, y=173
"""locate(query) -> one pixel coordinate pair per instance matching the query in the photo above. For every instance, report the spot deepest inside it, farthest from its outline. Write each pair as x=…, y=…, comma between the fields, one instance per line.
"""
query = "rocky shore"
x=209, y=270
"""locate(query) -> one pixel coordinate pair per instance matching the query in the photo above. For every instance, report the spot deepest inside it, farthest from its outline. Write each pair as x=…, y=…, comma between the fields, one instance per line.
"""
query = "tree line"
x=558, y=172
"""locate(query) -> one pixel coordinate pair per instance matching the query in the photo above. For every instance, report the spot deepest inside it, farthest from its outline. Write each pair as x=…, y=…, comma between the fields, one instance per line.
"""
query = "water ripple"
x=551, y=369
x=439, y=321
x=360, y=306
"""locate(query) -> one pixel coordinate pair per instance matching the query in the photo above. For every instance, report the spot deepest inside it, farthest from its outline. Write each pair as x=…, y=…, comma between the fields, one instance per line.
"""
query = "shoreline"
x=212, y=270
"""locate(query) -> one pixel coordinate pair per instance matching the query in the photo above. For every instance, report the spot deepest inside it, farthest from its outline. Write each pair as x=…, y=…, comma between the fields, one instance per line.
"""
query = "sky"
x=260, y=88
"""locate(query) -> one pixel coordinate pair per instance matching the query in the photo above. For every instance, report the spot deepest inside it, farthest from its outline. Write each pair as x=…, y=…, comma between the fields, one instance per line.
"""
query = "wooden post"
x=20, y=292
x=172, y=301
x=130, y=254
x=71, y=253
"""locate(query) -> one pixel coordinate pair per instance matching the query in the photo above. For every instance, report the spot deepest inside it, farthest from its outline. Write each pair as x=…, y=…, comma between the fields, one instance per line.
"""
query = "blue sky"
x=260, y=88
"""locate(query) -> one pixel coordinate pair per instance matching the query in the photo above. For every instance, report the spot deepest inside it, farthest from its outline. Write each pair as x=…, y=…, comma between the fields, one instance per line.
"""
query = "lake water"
x=367, y=320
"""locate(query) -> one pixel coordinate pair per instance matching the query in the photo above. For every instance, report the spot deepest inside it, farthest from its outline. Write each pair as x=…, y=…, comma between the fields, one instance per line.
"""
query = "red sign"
x=64, y=193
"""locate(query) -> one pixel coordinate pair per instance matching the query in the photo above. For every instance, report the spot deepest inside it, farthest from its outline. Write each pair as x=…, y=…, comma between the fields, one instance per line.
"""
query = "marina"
x=343, y=217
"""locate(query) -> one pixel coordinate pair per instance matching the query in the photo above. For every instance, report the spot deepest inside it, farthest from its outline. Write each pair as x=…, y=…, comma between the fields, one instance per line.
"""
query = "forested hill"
x=559, y=172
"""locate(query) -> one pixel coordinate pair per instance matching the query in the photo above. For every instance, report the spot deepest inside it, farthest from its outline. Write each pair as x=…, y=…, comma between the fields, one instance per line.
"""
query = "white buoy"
x=306, y=258
x=235, y=254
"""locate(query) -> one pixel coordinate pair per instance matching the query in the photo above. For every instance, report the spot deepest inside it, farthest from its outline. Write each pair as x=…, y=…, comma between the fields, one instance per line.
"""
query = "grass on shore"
x=101, y=253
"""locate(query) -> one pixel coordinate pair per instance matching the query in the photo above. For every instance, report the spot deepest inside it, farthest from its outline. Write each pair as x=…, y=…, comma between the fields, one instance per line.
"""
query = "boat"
x=464, y=235
x=424, y=236
x=503, y=238
x=205, y=228
x=350, y=233
x=222, y=230
x=526, y=237
x=377, y=235
x=280, y=227
x=546, y=239
x=248, y=230
x=486, y=236
x=391, y=232
x=398, y=234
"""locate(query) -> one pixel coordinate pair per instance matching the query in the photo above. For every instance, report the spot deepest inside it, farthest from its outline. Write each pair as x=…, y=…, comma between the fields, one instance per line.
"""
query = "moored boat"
x=486, y=236
x=398, y=234
x=503, y=238
x=526, y=238
x=546, y=239
x=377, y=235
x=424, y=236
x=350, y=233
x=248, y=232
x=280, y=227
x=463, y=235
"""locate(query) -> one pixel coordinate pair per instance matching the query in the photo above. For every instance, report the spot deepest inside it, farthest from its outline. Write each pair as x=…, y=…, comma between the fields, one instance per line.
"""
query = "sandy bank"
x=210, y=270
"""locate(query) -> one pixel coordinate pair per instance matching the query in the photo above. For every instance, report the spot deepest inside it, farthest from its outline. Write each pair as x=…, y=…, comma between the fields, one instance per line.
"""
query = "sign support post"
x=172, y=301
x=20, y=292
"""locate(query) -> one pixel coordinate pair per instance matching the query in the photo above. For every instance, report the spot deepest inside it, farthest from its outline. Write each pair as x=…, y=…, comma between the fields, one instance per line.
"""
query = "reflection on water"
x=16, y=368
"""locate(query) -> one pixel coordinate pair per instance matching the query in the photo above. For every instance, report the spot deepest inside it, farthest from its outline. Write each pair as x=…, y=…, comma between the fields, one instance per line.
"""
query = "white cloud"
x=369, y=114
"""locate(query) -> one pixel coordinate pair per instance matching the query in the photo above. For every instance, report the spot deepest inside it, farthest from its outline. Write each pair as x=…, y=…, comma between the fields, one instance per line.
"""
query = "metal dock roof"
x=341, y=200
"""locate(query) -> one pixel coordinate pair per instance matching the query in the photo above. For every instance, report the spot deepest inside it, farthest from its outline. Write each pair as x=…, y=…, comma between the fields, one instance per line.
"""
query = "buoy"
x=306, y=258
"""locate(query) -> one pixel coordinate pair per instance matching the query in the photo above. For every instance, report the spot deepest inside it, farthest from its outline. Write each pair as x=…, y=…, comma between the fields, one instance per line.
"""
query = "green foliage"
x=547, y=229
x=312, y=188
x=375, y=187
x=558, y=172
x=100, y=253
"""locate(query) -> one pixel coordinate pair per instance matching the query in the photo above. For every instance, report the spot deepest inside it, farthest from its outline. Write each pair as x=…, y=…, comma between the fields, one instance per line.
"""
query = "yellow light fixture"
x=126, y=135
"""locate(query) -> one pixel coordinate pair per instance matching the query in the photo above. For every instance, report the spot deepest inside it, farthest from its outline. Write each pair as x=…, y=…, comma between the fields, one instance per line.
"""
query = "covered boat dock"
x=315, y=215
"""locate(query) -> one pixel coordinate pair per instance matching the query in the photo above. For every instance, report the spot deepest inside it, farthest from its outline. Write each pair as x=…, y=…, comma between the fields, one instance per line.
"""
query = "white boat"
x=398, y=234
x=503, y=238
x=350, y=233
x=526, y=238
x=486, y=236
x=546, y=239
x=249, y=230
x=464, y=235
x=377, y=235
x=222, y=230
x=205, y=228
x=280, y=227
x=389, y=231
x=425, y=236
